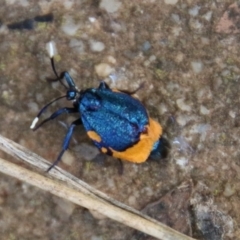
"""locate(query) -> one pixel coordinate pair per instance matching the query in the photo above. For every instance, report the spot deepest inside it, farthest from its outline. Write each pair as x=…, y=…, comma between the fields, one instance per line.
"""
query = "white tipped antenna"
x=51, y=48
x=34, y=122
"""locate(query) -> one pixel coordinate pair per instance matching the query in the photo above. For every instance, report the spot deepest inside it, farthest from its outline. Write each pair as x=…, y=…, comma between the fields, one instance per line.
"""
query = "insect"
x=116, y=122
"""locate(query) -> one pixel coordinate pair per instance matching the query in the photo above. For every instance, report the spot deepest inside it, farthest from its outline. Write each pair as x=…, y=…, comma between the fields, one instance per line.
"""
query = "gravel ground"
x=186, y=53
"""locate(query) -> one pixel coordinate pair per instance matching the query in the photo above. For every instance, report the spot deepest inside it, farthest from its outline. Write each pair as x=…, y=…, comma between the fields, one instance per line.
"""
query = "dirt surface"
x=189, y=61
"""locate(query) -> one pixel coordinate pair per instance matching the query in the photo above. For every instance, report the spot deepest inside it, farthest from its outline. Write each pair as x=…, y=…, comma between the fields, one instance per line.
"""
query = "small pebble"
x=197, y=66
x=111, y=60
x=194, y=11
x=205, y=40
x=204, y=94
x=176, y=31
x=171, y=2
x=204, y=110
x=33, y=107
x=97, y=215
x=39, y=97
x=92, y=19
x=179, y=57
x=10, y=2
x=146, y=63
x=229, y=190
x=68, y=4
x=96, y=238
x=232, y=114
x=182, y=162
x=182, y=120
x=69, y=27
x=132, y=200
x=5, y=95
x=195, y=24
x=110, y=6
x=68, y=158
x=103, y=70
x=175, y=18
x=208, y=16
x=152, y=58
x=200, y=128
x=182, y=105
x=23, y=3
x=111, y=183
x=77, y=45
x=96, y=46
x=65, y=208
x=210, y=169
x=146, y=46
x=87, y=151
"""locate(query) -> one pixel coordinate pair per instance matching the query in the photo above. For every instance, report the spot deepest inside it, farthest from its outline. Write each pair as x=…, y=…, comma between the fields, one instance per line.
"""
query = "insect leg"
x=54, y=115
x=66, y=142
x=121, y=168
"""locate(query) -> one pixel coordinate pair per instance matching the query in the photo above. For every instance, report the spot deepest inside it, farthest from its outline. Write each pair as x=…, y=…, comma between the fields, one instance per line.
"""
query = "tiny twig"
x=65, y=185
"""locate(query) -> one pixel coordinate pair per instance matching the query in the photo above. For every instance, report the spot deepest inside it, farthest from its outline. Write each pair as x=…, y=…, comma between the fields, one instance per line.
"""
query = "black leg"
x=120, y=169
x=56, y=114
x=162, y=151
x=103, y=85
x=66, y=142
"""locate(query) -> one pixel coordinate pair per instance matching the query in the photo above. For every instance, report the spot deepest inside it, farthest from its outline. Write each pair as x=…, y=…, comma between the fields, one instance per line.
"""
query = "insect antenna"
x=52, y=51
x=35, y=120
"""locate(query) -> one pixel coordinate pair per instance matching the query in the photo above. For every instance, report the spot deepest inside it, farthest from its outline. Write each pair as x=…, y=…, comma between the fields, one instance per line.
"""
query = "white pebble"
x=208, y=15
x=103, y=70
x=182, y=162
x=172, y=2
x=69, y=27
x=205, y=40
x=204, y=93
x=77, y=45
x=110, y=6
x=176, y=31
x=194, y=11
x=92, y=19
x=96, y=46
x=96, y=238
x=68, y=4
x=68, y=158
x=162, y=108
x=182, y=120
x=152, y=58
x=204, y=110
x=33, y=107
x=10, y=2
x=65, y=208
x=175, y=17
x=97, y=215
x=111, y=60
x=179, y=57
x=111, y=183
x=229, y=190
x=23, y=3
x=210, y=169
x=146, y=63
x=232, y=114
x=196, y=24
x=197, y=66
x=182, y=105
x=132, y=200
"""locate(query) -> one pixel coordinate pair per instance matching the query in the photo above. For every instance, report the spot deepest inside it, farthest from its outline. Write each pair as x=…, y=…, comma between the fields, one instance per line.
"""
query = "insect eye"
x=71, y=94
